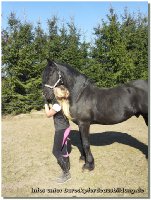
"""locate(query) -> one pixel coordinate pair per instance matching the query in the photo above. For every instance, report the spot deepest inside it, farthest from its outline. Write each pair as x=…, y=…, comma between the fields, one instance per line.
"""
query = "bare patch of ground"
x=120, y=151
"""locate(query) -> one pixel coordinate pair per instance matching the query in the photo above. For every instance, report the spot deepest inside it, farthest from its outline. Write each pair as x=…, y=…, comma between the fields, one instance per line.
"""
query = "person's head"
x=61, y=92
x=62, y=95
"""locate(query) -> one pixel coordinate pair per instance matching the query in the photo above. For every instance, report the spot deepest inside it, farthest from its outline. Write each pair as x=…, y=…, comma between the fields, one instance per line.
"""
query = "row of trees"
x=118, y=54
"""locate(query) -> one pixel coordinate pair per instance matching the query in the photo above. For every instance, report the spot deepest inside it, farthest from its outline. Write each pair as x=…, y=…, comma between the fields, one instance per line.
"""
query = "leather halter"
x=60, y=79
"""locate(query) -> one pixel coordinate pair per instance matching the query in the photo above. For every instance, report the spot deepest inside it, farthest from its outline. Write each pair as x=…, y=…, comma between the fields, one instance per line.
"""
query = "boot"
x=65, y=166
x=64, y=177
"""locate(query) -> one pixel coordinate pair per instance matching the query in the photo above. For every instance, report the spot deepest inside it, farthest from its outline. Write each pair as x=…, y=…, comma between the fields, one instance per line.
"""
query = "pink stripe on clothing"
x=66, y=133
x=65, y=138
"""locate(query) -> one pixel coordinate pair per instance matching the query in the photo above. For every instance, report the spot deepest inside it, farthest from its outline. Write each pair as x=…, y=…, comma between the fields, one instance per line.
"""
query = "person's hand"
x=50, y=105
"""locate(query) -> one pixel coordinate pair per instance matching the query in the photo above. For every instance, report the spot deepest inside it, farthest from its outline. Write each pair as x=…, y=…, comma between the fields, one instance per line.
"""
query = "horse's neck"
x=73, y=80
x=78, y=88
x=80, y=80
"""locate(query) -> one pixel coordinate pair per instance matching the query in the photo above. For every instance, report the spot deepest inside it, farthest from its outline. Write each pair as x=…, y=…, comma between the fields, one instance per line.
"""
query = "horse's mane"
x=76, y=72
x=71, y=72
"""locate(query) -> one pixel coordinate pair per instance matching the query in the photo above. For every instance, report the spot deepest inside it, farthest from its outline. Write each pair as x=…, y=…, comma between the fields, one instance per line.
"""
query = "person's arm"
x=50, y=112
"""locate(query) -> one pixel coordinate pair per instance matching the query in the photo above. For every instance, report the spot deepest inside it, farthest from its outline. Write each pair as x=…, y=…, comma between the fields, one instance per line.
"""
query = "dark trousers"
x=61, y=149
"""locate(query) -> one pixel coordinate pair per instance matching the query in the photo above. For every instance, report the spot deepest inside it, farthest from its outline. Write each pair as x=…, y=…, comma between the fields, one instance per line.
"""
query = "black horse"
x=92, y=105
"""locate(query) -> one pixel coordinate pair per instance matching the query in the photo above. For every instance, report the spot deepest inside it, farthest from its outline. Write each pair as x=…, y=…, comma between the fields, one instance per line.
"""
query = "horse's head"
x=50, y=79
x=62, y=74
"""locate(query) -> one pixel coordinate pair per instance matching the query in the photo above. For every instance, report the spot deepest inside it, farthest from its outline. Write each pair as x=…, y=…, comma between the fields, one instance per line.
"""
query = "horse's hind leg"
x=145, y=116
x=89, y=160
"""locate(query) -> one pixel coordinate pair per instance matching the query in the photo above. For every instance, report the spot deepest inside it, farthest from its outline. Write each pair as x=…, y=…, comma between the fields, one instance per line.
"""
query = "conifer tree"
x=111, y=51
x=10, y=57
x=119, y=54
x=53, y=39
x=135, y=34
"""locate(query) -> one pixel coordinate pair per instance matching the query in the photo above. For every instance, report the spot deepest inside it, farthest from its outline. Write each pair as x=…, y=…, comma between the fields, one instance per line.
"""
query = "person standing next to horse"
x=60, y=113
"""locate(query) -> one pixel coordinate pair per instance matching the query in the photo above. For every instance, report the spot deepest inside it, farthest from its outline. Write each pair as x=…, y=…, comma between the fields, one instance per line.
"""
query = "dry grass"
x=27, y=161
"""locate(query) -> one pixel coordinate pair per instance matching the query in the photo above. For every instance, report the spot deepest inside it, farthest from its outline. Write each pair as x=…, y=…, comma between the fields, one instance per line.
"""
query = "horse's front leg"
x=89, y=160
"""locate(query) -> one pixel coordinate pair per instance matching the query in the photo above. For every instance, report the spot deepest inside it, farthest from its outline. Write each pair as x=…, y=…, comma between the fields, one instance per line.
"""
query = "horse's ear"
x=51, y=63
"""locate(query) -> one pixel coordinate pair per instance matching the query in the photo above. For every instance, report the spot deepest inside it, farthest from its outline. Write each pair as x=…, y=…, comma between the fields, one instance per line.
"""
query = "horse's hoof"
x=86, y=171
x=87, y=167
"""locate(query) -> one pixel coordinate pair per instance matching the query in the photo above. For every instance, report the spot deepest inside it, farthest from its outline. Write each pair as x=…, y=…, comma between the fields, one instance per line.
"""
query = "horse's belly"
x=109, y=121
x=112, y=117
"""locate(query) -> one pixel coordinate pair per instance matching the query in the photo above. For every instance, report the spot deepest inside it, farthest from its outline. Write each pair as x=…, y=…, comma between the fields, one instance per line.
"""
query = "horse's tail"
x=143, y=86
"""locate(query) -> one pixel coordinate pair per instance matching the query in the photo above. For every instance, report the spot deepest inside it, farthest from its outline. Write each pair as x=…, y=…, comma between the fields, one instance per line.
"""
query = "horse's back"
x=142, y=84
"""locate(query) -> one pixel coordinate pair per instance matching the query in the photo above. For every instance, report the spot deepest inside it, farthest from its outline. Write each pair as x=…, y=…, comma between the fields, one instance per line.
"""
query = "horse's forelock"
x=47, y=71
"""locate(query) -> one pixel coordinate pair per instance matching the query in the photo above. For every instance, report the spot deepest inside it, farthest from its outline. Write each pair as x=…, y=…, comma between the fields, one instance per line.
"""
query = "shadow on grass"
x=107, y=138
